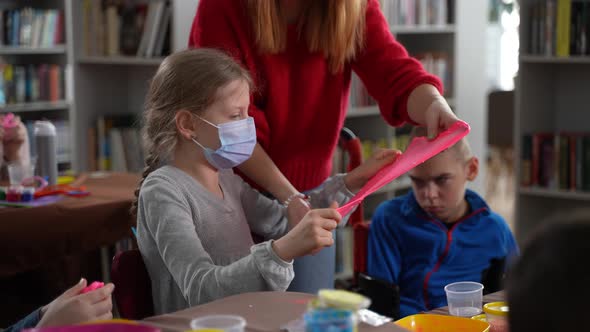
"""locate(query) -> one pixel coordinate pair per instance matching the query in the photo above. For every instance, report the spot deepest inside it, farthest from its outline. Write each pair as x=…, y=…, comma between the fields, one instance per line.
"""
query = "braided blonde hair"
x=187, y=80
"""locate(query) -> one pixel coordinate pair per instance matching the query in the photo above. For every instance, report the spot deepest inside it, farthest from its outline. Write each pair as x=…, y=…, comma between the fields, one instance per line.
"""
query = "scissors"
x=62, y=189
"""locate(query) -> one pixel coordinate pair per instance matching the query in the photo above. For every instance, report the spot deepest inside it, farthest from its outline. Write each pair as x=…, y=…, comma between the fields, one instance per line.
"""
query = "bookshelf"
x=37, y=106
x=28, y=50
x=120, y=60
x=35, y=52
x=551, y=119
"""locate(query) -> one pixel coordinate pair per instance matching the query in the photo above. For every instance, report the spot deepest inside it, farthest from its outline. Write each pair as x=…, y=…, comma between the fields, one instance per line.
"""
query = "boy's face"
x=439, y=184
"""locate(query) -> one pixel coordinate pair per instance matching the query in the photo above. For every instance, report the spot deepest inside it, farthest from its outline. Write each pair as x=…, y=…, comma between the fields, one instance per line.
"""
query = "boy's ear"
x=185, y=124
x=472, y=168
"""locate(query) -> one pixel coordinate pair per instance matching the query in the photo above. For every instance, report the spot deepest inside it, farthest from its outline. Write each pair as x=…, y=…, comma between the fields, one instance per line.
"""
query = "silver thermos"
x=46, y=147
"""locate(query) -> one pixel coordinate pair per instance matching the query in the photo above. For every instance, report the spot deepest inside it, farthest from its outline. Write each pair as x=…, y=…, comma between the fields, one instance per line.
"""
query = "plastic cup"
x=333, y=320
x=227, y=323
x=18, y=172
x=464, y=298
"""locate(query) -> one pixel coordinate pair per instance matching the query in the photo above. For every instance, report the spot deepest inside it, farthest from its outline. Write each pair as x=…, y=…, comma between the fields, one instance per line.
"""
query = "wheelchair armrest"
x=384, y=295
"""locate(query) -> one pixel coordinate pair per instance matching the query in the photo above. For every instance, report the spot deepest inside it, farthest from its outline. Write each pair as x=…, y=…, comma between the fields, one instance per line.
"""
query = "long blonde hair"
x=335, y=28
x=188, y=80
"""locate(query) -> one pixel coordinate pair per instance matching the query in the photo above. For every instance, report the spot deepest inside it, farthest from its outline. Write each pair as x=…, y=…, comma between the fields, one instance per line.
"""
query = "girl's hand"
x=73, y=308
x=296, y=211
x=357, y=178
x=13, y=139
x=311, y=235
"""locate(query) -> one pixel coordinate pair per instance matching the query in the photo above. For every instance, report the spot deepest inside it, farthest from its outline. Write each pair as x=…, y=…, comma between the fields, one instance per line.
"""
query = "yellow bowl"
x=441, y=323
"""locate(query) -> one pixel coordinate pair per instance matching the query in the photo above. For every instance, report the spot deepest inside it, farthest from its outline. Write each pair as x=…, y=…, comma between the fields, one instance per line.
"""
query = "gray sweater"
x=198, y=248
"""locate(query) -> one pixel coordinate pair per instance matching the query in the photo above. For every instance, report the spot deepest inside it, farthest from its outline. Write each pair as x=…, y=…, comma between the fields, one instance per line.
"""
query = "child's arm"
x=266, y=217
x=165, y=221
x=383, y=257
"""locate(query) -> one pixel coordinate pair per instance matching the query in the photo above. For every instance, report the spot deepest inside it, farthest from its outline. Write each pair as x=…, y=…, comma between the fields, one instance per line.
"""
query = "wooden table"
x=263, y=311
x=45, y=250
x=493, y=297
x=31, y=237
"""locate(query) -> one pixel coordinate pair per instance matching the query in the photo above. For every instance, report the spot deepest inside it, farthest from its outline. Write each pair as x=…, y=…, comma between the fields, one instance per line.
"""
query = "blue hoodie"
x=422, y=255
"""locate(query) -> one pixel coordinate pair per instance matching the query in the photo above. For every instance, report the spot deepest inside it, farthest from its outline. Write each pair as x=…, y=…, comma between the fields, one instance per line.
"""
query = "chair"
x=384, y=296
x=133, y=290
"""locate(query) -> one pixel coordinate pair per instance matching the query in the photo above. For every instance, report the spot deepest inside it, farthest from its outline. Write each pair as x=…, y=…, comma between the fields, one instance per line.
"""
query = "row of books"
x=115, y=144
x=31, y=27
x=31, y=83
x=63, y=140
x=340, y=158
x=560, y=27
x=438, y=64
x=112, y=29
x=417, y=12
x=556, y=161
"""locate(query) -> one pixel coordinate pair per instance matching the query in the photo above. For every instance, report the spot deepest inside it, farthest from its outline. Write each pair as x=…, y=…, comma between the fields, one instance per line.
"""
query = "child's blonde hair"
x=334, y=28
x=188, y=80
x=462, y=148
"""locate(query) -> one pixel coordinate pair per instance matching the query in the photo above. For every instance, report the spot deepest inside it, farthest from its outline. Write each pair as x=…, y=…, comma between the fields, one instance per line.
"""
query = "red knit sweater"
x=299, y=106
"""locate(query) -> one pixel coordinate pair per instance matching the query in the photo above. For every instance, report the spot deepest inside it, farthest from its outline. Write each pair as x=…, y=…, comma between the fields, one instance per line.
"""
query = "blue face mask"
x=237, y=138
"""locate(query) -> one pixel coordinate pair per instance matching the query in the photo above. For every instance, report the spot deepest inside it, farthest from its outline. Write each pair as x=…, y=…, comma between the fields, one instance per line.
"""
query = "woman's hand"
x=357, y=178
x=438, y=117
x=73, y=308
x=309, y=236
x=429, y=109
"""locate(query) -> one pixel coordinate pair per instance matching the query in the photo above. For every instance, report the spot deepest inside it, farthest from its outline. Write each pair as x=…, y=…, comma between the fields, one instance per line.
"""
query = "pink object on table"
x=93, y=286
x=8, y=121
x=419, y=150
x=105, y=326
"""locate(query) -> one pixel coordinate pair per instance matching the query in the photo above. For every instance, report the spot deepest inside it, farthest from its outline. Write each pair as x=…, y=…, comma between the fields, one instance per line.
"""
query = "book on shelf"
x=438, y=64
x=417, y=12
x=359, y=96
x=558, y=161
x=117, y=144
x=132, y=29
x=559, y=28
x=31, y=27
x=31, y=83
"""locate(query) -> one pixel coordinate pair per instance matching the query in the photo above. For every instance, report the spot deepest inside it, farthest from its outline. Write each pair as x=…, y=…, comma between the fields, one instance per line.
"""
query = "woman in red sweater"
x=301, y=54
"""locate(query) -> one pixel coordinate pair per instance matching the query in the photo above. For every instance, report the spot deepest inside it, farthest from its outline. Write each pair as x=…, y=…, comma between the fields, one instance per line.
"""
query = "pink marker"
x=93, y=286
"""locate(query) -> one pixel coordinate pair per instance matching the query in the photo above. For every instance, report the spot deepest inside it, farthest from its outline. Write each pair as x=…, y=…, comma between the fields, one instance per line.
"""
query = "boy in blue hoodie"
x=438, y=233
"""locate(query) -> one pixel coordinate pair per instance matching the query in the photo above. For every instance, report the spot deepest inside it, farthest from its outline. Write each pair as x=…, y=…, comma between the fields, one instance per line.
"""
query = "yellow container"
x=497, y=315
x=442, y=323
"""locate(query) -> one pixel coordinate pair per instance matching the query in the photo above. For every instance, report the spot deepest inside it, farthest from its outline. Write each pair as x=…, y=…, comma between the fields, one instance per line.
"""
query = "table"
x=263, y=311
x=30, y=237
x=45, y=250
x=493, y=297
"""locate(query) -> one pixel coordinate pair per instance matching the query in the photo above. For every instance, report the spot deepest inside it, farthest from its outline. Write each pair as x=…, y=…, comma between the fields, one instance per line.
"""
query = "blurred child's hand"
x=357, y=178
x=73, y=308
x=311, y=235
x=13, y=139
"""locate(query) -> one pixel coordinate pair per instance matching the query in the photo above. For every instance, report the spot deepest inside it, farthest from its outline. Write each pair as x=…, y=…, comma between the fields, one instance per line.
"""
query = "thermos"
x=46, y=147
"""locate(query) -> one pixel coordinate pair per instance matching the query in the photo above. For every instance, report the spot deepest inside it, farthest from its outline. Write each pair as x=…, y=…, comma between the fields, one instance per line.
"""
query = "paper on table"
x=419, y=150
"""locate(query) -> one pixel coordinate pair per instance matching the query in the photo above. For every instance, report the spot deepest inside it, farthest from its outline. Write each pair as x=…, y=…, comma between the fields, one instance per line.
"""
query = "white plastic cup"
x=227, y=323
x=17, y=172
x=464, y=298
